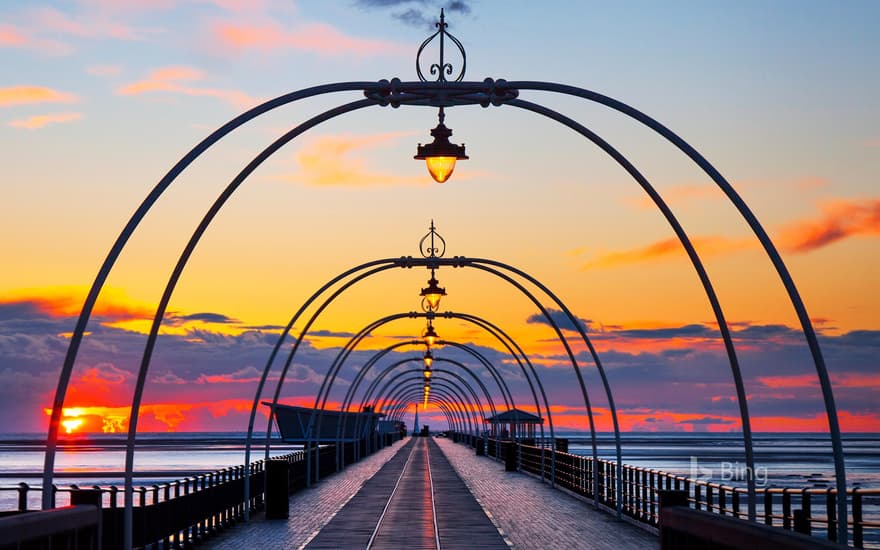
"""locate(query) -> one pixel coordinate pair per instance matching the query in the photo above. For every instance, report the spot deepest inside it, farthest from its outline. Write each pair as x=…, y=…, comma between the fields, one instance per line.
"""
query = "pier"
x=433, y=493
x=501, y=373
x=446, y=490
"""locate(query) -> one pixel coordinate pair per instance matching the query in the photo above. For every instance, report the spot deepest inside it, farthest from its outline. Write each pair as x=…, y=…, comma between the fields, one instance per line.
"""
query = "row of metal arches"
x=488, y=92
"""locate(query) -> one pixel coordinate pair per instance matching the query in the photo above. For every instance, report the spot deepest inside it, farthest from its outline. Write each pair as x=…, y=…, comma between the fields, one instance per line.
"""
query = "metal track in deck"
x=416, y=501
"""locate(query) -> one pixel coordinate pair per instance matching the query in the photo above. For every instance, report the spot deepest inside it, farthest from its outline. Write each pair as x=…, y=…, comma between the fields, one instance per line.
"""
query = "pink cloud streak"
x=669, y=248
x=41, y=121
x=10, y=36
x=315, y=37
x=840, y=219
x=172, y=79
x=22, y=95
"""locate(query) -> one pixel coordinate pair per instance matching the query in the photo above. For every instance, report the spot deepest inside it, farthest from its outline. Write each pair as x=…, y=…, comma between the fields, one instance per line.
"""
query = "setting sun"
x=72, y=424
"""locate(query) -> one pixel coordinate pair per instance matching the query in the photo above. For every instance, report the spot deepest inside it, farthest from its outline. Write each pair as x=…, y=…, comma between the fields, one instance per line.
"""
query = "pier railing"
x=169, y=515
x=809, y=511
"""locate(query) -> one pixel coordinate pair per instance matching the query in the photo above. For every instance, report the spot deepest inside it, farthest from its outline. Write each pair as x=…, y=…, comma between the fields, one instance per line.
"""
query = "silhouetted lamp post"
x=441, y=154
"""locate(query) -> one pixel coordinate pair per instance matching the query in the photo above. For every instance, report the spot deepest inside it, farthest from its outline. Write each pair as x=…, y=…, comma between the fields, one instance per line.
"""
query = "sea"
x=794, y=460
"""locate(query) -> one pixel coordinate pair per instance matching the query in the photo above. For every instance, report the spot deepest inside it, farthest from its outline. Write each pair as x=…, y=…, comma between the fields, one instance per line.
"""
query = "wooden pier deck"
x=426, y=491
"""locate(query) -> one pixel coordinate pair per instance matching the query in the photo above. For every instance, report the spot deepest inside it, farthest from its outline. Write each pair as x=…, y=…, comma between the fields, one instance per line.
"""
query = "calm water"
x=781, y=459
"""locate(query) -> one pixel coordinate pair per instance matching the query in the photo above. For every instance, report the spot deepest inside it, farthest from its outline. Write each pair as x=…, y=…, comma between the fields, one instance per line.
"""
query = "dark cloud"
x=204, y=317
x=706, y=421
x=866, y=338
x=332, y=334
x=418, y=13
x=263, y=327
x=674, y=353
x=460, y=7
x=19, y=310
x=686, y=331
x=415, y=18
x=561, y=319
x=386, y=3
x=764, y=332
x=694, y=379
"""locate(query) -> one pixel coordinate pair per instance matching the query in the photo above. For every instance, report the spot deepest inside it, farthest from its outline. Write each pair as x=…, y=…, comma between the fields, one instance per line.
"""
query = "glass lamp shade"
x=430, y=335
x=427, y=373
x=429, y=359
x=432, y=294
x=440, y=168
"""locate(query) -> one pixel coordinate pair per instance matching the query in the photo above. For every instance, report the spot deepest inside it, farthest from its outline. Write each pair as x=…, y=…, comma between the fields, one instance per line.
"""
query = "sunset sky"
x=99, y=98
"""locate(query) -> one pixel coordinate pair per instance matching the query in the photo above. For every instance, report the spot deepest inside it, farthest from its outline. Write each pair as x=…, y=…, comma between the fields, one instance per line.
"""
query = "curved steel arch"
x=341, y=357
x=178, y=271
x=457, y=401
x=708, y=288
x=769, y=248
x=352, y=390
x=386, y=371
x=122, y=240
x=402, y=405
x=448, y=94
x=449, y=391
x=386, y=388
x=583, y=387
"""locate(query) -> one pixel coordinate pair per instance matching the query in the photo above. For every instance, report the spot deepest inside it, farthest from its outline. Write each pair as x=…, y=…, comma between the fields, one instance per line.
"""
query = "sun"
x=72, y=424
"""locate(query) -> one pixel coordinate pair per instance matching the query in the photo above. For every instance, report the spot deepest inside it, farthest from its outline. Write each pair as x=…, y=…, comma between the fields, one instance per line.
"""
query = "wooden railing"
x=185, y=511
x=811, y=511
x=69, y=527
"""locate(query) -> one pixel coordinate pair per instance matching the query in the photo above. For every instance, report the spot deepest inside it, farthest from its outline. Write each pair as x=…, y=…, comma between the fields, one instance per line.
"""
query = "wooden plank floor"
x=461, y=521
x=409, y=520
x=353, y=525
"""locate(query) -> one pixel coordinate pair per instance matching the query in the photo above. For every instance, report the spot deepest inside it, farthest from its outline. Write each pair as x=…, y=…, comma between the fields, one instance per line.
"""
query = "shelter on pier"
x=513, y=424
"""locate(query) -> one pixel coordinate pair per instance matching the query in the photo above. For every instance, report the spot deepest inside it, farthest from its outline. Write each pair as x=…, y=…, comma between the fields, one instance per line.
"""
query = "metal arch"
x=361, y=374
x=302, y=335
x=380, y=396
x=401, y=409
x=178, y=271
x=122, y=240
x=580, y=379
x=772, y=254
x=417, y=377
x=337, y=365
x=460, y=365
x=451, y=392
x=352, y=391
x=442, y=405
x=508, y=342
x=354, y=341
x=697, y=264
x=350, y=394
x=494, y=92
x=453, y=399
x=265, y=374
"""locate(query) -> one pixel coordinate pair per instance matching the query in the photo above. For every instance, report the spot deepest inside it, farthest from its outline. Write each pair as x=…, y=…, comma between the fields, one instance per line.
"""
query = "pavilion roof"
x=515, y=416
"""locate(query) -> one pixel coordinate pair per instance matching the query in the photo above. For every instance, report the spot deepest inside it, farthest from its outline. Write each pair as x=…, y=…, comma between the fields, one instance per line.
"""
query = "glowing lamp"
x=432, y=294
x=429, y=359
x=427, y=374
x=430, y=335
x=441, y=154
